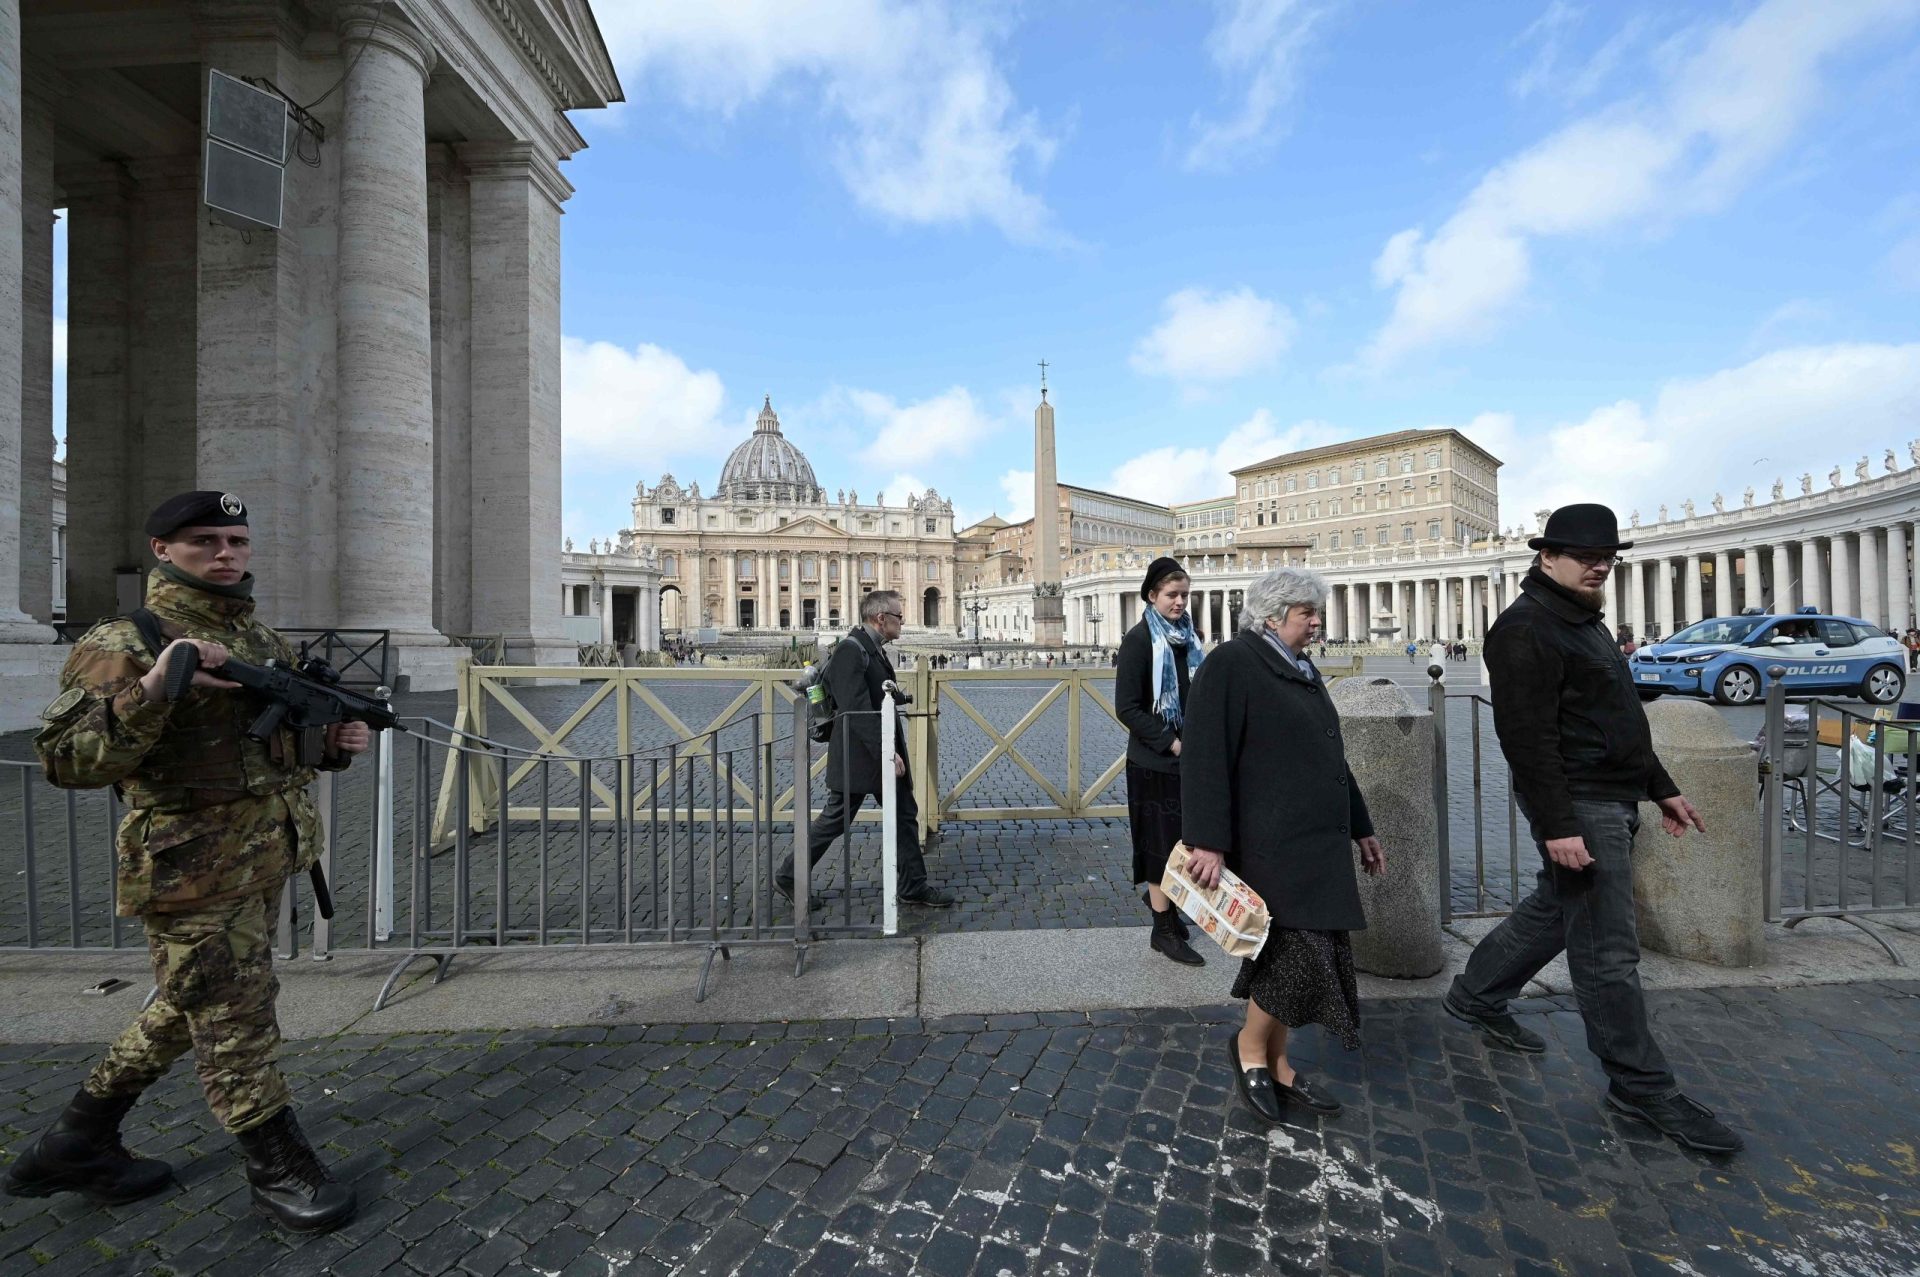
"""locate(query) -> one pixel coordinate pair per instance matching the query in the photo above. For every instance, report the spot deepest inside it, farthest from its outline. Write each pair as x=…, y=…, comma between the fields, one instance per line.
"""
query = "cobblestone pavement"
x=1062, y=1144
x=1060, y=873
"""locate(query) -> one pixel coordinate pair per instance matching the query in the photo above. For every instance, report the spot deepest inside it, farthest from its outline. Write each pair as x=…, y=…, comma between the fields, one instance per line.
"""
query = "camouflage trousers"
x=213, y=968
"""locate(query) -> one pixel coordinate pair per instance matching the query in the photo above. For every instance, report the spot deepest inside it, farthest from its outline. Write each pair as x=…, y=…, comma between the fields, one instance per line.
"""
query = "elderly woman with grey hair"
x=1266, y=792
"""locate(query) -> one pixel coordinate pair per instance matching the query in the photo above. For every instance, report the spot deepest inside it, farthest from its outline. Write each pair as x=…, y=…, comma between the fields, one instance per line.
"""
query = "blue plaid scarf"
x=1168, y=635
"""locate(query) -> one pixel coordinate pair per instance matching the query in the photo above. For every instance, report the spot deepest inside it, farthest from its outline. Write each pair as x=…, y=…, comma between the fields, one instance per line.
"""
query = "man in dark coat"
x=857, y=674
x=1575, y=735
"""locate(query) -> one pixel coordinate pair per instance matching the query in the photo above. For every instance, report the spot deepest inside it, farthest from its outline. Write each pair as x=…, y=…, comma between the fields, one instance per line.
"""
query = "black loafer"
x=814, y=902
x=926, y=898
x=1256, y=1085
x=1682, y=1119
x=1306, y=1094
x=1501, y=1029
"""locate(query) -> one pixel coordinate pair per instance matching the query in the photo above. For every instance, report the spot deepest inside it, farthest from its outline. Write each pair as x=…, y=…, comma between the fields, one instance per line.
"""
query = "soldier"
x=216, y=824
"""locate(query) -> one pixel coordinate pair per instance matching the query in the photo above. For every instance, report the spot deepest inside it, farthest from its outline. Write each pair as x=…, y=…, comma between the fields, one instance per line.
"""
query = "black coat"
x=1149, y=738
x=1566, y=710
x=1264, y=778
x=853, y=754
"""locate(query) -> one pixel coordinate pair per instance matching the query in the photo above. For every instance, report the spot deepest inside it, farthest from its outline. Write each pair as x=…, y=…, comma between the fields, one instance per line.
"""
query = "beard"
x=1595, y=598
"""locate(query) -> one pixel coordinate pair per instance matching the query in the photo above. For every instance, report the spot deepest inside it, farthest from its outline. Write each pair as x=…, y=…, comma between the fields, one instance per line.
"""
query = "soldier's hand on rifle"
x=348, y=738
x=212, y=656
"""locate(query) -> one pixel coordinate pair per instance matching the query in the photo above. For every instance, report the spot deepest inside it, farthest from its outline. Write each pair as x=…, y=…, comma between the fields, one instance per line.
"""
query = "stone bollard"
x=1389, y=739
x=1700, y=896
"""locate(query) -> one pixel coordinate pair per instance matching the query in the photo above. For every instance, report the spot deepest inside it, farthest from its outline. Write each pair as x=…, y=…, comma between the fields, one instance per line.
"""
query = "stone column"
x=730, y=590
x=1809, y=591
x=1446, y=609
x=1898, y=608
x=1389, y=738
x=1871, y=577
x=1840, y=555
x=15, y=624
x=605, y=591
x=1690, y=565
x=102, y=508
x=1663, y=595
x=43, y=89
x=451, y=276
x=1637, y=599
x=165, y=321
x=1783, y=575
x=767, y=614
x=1723, y=584
x=385, y=338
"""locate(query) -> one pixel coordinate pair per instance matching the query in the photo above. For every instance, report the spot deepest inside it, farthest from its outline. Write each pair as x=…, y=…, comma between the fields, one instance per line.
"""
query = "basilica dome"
x=767, y=467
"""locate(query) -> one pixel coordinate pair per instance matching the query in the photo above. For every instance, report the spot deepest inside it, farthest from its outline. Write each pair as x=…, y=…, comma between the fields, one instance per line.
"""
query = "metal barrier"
x=1837, y=791
x=1461, y=808
x=363, y=658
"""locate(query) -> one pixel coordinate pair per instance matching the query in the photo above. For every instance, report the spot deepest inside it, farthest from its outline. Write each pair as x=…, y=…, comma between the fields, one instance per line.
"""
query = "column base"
x=425, y=661
x=542, y=649
x=29, y=675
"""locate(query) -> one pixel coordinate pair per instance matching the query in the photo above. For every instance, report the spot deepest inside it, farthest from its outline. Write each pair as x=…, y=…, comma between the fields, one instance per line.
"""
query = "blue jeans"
x=1588, y=913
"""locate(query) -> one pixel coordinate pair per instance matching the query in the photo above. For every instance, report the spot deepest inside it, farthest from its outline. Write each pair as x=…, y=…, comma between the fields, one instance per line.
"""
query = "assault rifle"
x=306, y=697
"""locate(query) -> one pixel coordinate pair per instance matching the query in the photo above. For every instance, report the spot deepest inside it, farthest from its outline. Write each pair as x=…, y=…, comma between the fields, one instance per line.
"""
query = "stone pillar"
x=1871, y=578
x=1389, y=744
x=1422, y=617
x=165, y=323
x=514, y=201
x=15, y=624
x=102, y=508
x=605, y=592
x=730, y=590
x=385, y=340
x=1898, y=608
x=451, y=279
x=1699, y=897
x=1692, y=590
x=1446, y=610
x=1637, y=599
x=1809, y=591
x=1783, y=576
x=766, y=614
x=1840, y=555
x=1663, y=595
x=38, y=108
x=1722, y=584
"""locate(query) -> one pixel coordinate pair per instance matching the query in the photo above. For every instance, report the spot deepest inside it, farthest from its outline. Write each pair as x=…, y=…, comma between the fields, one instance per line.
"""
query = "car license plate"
x=1649, y=678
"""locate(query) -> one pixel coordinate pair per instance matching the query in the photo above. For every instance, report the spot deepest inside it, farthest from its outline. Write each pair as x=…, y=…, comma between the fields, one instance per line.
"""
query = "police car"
x=1728, y=657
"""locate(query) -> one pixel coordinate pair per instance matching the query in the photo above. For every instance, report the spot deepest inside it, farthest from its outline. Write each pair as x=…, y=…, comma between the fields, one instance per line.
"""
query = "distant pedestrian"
x=1266, y=792
x=1575, y=735
x=1413, y=653
x=1158, y=658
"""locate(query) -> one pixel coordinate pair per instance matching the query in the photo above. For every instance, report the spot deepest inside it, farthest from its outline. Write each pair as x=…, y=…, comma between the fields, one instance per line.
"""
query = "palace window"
x=1433, y=529
x=833, y=571
x=895, y=574
x=809, y=569
x=786, y=570
x=866, y=570
x=1333, y=541
x=1290, y=483
x=670, y=564
x=743, y=568
x=1406, y=463
x=933, y=525
x=1406, y=532
x=1380, y=468
x=1313, y=480
x=1333, y=476
x=933, y=569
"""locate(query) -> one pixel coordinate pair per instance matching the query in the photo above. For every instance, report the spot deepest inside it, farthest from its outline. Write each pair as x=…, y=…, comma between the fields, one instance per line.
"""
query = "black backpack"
x=821, y=711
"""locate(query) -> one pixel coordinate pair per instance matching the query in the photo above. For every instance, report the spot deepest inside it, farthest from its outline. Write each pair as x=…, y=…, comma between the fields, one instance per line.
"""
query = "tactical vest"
x=204, y=755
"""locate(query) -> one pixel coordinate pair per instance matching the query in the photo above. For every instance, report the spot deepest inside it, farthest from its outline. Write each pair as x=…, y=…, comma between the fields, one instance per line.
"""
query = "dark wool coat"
x=1264, y=778
x=853, y=753
x=1149, y=739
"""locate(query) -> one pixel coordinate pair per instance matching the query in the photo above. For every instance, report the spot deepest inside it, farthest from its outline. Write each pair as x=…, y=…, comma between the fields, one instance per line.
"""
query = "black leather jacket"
x=1566, y=710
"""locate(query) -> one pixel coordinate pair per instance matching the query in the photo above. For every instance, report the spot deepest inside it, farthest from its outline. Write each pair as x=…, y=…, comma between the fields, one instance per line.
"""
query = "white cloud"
x=1174, y=474
x=1256, y=46
x=638, y=406
x=1017, y=487
x=1553, y=70
x=902, y=486
x=948, y=424
x=1723, y=112
x=1806, y=408
x=929, y=130
x=1214, y=336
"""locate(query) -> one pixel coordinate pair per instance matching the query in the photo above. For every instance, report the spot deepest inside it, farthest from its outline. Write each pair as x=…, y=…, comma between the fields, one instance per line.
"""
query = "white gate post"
x=889, y=839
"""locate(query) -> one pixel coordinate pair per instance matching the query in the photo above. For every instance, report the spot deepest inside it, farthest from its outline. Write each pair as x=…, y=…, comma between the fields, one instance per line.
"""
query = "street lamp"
x=1094, y=618
x=975, y=605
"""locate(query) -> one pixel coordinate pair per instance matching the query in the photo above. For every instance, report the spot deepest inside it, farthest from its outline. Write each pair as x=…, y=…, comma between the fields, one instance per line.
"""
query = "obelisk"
x=1049, y=608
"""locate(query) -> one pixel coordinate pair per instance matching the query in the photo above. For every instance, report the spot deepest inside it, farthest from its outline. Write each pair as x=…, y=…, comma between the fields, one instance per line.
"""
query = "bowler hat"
x=1585, y=527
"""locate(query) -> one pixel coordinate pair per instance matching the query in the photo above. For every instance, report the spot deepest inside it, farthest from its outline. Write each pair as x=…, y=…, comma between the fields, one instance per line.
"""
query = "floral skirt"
x=1305, y=977
x=1153, y=811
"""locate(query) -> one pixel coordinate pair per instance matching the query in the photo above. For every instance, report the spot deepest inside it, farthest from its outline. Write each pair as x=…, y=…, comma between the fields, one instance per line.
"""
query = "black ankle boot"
x=82, y=1153
x=288, y=1181
x=1168, y=940
x=1179, y=919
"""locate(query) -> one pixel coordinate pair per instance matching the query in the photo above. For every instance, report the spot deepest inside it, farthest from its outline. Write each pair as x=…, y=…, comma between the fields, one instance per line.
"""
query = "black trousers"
x=910, y=866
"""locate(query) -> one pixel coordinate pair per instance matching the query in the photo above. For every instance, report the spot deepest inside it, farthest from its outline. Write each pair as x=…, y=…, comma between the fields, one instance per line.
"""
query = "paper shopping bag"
x=1232, y=913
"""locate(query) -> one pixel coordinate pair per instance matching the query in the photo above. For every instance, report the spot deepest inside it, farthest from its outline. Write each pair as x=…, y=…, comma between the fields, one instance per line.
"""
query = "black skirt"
x=1153, y=809
x=1305, y=977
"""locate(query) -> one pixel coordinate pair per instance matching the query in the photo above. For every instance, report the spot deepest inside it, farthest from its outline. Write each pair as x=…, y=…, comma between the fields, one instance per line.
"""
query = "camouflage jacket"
x=212, y=814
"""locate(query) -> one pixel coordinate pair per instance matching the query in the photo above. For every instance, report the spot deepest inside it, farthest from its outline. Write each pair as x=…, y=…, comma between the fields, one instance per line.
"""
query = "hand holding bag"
x=1231, y=913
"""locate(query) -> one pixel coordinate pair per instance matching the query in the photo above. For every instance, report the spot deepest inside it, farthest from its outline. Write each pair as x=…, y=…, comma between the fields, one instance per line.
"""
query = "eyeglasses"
x=896, y=616
x=1594, y=558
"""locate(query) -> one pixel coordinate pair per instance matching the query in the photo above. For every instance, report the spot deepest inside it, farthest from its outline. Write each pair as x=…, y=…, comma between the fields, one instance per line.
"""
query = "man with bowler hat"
x=1575, y=736
x=216, y=823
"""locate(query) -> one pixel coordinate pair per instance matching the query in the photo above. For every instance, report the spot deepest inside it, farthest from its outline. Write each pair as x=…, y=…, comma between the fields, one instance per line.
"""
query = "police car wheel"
x=1736, y=686
x=1882, y=685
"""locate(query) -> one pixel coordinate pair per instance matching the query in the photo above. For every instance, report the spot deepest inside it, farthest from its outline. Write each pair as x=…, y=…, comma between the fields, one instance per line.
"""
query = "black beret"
x=197, y=510
x=1157, y=571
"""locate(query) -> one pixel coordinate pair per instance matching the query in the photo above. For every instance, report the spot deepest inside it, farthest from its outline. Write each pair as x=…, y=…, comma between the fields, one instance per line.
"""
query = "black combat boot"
x=288, y=1181
x=1168, y=938
x=82, y=1153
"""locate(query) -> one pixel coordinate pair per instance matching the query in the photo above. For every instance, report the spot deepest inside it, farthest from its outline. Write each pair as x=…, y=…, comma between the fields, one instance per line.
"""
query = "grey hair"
x=880, y=601
x=1281, y=590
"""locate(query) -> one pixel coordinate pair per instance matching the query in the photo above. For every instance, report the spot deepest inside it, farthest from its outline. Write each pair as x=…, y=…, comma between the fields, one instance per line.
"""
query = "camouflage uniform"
x=216, y=823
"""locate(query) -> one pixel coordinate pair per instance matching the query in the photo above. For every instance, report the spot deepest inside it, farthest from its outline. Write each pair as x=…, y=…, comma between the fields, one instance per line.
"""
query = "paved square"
x=1056, y=1144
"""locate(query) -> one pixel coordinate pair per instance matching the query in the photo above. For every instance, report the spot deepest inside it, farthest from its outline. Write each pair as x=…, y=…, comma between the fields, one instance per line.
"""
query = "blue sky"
x=1643, y=252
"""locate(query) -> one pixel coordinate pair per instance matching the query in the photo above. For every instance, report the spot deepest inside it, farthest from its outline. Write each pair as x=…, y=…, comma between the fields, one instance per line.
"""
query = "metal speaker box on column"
x=246, y=153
